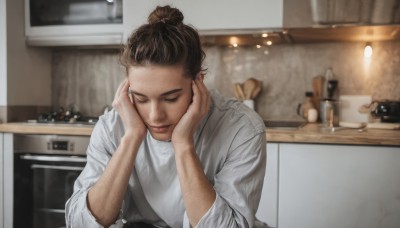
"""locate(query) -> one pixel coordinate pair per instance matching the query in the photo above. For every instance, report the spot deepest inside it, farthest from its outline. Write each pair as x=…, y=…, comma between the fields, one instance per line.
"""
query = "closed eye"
x=140, y=100
x=171, y=99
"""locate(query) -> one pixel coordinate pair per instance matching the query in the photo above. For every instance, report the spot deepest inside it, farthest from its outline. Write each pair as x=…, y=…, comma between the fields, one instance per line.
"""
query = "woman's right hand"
x=124, y=105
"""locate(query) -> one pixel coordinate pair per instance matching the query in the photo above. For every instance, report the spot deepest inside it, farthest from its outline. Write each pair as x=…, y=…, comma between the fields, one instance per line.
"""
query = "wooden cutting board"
x=317, y=86
x=350, y=105
x=388, y=126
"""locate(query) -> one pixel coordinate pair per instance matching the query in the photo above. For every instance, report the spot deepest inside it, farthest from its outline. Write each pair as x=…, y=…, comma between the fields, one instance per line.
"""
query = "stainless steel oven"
x=45, y=169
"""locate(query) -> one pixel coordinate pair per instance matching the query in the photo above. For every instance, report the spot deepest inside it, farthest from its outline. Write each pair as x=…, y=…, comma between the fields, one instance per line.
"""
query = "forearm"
x=105, y=197
x=198, y=193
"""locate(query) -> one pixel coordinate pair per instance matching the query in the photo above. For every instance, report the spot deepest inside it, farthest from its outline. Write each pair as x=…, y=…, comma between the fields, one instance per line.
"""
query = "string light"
x=368, y=50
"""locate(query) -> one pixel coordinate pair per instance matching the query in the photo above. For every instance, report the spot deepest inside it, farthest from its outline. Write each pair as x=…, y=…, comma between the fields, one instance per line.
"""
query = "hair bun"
x=166, y=14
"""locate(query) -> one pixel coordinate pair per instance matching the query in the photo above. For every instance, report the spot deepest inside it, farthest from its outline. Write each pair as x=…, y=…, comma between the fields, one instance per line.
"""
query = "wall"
x=86, y=79
x=3, y=54
x=287, y=72
x=25, y=73
x=28, y=69
x=89, y=78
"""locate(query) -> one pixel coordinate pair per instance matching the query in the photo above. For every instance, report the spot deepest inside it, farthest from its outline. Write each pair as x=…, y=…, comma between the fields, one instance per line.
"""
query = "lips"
x=159, y=128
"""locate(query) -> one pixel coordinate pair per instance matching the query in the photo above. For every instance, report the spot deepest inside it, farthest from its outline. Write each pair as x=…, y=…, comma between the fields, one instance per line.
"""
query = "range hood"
x=313, y=21
x=344, y=33
x=332, y=33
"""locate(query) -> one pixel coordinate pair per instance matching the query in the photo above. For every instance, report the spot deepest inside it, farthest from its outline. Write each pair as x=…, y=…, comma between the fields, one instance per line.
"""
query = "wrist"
x=132, y=140
x=134, y=136
x=183, y=147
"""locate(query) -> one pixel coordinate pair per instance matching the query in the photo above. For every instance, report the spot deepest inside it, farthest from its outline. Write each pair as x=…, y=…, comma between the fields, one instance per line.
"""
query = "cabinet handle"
x=53, y=158
x=59, y=167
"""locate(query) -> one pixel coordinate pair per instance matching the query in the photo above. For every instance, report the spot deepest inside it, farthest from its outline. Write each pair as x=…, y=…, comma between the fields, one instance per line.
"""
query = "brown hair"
x=165, y=40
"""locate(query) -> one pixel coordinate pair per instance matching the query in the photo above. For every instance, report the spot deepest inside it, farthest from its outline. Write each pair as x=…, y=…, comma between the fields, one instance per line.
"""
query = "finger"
x=196, y=96
x=126, y=93
x=125, y=89
x=205, y=96
x=120, y=87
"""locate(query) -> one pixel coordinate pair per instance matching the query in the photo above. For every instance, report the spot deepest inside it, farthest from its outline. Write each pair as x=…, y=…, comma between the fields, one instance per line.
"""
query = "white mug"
x=312, y=115
x=249, y=103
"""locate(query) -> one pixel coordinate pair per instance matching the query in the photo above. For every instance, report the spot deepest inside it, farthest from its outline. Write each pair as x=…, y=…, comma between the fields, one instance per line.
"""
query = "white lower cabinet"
x=1, y=181
x=268, y=208
x=337, y=186
x=6, y=180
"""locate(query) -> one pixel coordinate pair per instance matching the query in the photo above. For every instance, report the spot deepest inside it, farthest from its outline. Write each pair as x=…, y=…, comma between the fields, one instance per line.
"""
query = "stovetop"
x=65, y=116
x=74, y=122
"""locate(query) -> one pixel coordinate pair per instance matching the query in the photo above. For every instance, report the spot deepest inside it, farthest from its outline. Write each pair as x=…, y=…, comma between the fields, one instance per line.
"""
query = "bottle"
x=302, y=109
x=329, y=105
x=330, y=85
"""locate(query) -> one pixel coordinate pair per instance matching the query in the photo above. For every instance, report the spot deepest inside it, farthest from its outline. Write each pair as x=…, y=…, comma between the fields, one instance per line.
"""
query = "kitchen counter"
x=310, y=133
x=314, y=133
x=56, y=129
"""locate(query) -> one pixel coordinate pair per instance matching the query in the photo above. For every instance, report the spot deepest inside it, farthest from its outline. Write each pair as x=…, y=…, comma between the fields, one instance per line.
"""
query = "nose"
x=157, y=113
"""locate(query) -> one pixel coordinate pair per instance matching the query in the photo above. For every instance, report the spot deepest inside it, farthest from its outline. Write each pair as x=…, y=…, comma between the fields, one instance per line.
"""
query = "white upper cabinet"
x=99, y=22
x=78, y=22
x=210, y=16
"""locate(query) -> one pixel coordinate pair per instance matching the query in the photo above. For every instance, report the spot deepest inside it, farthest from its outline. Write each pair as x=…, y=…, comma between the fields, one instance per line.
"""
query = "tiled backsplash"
x=89, y=78
x=85, y=78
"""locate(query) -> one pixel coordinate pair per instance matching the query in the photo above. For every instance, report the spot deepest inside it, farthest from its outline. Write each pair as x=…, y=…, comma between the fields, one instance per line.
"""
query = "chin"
x=161, y=137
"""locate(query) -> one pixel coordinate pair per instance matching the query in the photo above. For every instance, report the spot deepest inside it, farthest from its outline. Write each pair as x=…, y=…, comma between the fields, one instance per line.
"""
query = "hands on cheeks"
x=124, y=105
x=198, y=109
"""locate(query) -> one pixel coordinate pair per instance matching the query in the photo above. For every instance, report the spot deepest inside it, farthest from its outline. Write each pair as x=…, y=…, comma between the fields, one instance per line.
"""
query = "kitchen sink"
x=283, y=124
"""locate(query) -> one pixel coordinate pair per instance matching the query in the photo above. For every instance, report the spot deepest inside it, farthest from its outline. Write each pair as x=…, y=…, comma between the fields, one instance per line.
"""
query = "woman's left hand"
x=198, y=109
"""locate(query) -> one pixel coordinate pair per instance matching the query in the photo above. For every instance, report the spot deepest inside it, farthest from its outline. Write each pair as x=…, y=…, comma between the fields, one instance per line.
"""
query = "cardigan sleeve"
x=238, y=186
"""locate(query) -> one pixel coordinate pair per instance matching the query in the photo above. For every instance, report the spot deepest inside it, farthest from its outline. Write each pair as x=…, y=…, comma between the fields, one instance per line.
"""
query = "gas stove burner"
x=72, y=122
x=70, y=116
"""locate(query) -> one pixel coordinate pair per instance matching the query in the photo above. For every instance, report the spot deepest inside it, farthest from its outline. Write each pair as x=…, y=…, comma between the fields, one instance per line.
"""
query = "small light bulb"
x=258, y=46
x=264, y=35
x=234, y=44
x=368, y=50
x=269, y=42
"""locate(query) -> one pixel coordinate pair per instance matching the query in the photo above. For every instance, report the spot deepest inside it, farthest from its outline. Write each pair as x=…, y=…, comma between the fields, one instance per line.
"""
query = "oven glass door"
x=75, y=12
x=52, y=180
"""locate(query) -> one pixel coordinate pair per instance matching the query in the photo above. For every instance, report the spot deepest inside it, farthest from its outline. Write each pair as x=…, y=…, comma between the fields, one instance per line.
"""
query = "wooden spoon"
x=249, y=86
x=236, y=92
x=257, y=90
x=240, y=90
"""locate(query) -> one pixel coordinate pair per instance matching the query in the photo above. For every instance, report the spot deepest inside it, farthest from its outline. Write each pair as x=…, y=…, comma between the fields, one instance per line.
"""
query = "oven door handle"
x=53, y=158
x=59, y=167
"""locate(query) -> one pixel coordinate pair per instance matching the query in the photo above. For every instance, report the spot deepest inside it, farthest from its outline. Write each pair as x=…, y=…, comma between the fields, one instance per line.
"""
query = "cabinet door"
x=1, y=181
x=209, y=16
x=339, y=186
x=8, y=179
x=3, y=59
x=268, y=208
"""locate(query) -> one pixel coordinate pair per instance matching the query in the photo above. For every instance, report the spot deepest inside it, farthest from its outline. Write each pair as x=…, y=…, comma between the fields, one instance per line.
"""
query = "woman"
x=170, y=154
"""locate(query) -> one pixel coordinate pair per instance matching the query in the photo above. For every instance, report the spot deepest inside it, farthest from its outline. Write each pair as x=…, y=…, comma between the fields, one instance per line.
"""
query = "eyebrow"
x=162, y=95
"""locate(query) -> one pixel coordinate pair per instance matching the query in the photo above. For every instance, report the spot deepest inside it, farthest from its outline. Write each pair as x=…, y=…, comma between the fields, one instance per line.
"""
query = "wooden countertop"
x=310, y=133
x=52, y=129
x=315, y=133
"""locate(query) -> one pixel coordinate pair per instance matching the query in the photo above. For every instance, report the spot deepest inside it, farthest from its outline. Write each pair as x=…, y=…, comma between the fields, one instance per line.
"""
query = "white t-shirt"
x=230, y=143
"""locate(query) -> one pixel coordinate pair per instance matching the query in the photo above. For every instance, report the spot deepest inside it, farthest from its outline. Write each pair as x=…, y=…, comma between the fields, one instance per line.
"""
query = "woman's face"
x=162, y=94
